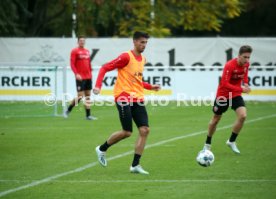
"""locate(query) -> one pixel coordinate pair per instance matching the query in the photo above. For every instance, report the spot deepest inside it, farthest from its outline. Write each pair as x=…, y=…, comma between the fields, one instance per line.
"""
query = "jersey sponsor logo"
x=138, y=74
x=83, y=56
x=237, y=76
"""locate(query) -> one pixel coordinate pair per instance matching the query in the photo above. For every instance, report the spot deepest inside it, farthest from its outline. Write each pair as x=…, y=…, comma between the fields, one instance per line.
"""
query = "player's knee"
x=127, y=134
x=87, y=99
x=80, y=98
x=215, y=120
x=242, y=117
x=144, y=131
x=77, y=100
x=87, y=96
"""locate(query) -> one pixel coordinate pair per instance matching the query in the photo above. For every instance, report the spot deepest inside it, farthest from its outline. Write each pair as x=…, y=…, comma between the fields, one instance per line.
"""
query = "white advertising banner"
x=26, y=85
x=176, y=85
x=159, y=52
x=187, y=85
x=162, y=53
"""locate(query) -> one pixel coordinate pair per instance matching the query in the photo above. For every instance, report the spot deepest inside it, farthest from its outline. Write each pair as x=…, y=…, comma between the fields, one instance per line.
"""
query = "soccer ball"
x=205, y=158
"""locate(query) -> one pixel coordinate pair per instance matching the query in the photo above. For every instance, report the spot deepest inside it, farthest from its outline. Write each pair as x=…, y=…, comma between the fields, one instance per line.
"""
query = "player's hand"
x=246, y=89
x=96, y=91
x=78, y=77
x=155, y=87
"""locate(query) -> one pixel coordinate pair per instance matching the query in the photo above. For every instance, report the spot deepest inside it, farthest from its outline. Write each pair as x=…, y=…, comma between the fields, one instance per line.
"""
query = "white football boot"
x=90, y=117
x=138, y=169
x=233, y=146
x=66, y=114
x=207, y=147
x=101, y=156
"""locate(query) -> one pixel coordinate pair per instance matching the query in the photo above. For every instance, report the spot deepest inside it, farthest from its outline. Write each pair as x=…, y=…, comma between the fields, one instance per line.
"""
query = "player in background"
x=229, y=92
x=129, y=98
x=81, y=67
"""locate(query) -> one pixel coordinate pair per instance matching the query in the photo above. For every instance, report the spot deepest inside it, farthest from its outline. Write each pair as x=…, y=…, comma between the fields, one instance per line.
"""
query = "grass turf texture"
x=35, y=148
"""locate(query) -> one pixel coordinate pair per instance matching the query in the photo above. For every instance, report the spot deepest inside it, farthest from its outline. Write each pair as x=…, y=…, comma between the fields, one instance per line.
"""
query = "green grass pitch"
x=53, y=157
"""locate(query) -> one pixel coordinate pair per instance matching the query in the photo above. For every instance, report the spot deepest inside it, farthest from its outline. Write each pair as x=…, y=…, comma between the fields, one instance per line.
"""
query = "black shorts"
x=221, y=105
x=128, y=111
x=84, y=85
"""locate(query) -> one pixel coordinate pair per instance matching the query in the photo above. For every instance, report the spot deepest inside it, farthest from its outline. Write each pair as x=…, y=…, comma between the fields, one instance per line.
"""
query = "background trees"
x=32, y=18
x=120, y=18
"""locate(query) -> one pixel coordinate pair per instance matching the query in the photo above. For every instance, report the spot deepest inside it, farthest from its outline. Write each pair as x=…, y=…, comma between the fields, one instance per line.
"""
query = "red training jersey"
x=119, y=63
x=80, y=62
x=232, y=77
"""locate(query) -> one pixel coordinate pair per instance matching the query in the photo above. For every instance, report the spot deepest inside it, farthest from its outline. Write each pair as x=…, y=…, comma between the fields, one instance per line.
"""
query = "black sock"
x=233, y=137
x=208, y=140
x=136, y=160
x=70, y=107
x=104, y=146
x=87, y=112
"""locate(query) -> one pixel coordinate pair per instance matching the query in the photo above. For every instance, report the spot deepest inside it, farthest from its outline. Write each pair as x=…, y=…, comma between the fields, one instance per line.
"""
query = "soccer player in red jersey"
x=129, y=98
x=229, y=92
x=81, y=67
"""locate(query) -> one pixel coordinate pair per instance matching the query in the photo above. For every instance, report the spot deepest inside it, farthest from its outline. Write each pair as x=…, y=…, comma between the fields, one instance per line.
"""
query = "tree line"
x=120, y=18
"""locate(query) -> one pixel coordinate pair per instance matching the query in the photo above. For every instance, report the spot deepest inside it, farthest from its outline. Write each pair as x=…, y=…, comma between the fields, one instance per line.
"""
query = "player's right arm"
x=73, y=64
x=119, y=62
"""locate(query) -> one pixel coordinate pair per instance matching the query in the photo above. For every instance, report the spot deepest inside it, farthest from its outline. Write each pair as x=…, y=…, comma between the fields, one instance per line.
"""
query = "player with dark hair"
x=229, y=92
x=81, y=67
x=129, y=98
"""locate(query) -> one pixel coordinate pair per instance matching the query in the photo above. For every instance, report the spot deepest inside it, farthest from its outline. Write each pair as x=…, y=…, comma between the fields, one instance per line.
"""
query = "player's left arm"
x=90, y=65
x=245, y=80
x=154, y=87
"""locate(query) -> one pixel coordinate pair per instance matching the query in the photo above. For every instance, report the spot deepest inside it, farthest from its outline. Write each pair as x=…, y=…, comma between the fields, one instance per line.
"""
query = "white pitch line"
x=24, y=116
x=38, y=182
x=151, y=181
x=36, y=128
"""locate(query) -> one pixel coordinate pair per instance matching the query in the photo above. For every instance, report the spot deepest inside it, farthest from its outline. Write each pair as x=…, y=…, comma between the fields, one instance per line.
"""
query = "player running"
x=81, y=66
x=229, y=94
x=129, y=98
